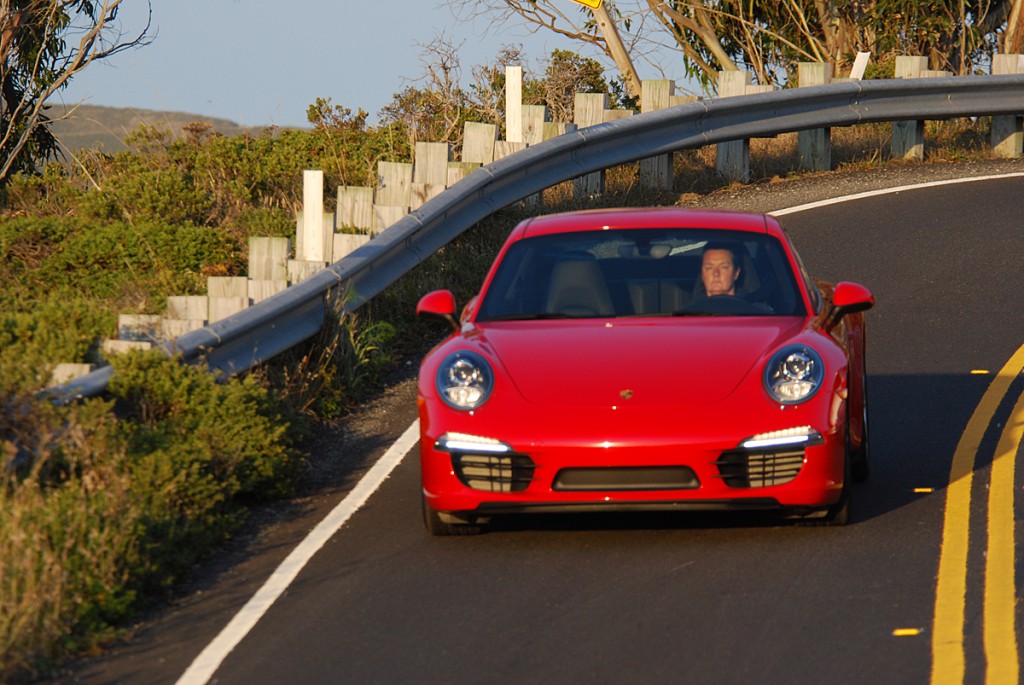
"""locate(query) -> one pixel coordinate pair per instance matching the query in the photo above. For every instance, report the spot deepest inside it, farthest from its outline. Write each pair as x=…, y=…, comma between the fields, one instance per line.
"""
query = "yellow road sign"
x=592, y=4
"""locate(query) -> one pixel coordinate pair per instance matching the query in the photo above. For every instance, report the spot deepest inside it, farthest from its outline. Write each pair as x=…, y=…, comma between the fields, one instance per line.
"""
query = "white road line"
x=888, y=191
x=206, y=664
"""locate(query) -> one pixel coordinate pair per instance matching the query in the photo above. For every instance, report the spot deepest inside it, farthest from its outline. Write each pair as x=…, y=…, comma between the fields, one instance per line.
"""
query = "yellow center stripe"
x=1000, y=586
x=948, y=629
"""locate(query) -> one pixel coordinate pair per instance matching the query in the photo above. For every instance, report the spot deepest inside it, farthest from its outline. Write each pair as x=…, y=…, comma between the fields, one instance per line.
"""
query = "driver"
x=720, y=272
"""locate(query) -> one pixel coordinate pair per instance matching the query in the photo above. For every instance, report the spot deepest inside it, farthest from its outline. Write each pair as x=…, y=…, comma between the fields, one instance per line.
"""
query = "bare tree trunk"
x=617, y=50
x=1013, y=38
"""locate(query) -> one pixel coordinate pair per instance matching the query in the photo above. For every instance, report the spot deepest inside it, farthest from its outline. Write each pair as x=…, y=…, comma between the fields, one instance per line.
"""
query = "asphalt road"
x=686, y=598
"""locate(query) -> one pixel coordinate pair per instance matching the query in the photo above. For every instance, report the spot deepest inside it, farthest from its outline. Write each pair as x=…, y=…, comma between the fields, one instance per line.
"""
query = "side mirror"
x=439, y=304
x=852, y=297
x=849, y=298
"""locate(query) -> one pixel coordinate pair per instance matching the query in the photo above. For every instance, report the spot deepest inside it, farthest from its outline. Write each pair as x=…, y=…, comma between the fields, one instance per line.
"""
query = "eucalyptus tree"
x=768, y=37
x=43, y=44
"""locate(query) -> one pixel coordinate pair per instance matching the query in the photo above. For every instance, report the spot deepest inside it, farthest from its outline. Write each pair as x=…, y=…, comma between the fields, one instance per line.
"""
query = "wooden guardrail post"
x=228, y=295
x=908, y=136
x=460, y=170
x=431, y=164
x=478, y=142
x=355, y=219
x=314, y=231
x=355, y=208
x=504, y=148
x=814, y=146
x=268, y=266
x=656, y=172
x=68, y=371
x=394, y=180
x=616, y=114
x=514, y=104
x=310, y=242
x=115, y=346
x=394, y=194
x=139, y=327
x=733, y=158
x=589, y=109
x=553, y=129
x=185, y=313
x=534, y=117
x=1007, y=136
x=134, y=332
x=429, y=173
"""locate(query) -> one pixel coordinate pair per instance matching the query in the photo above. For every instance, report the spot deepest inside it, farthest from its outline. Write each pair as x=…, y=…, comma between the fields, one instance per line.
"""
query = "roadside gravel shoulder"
x=776, y=194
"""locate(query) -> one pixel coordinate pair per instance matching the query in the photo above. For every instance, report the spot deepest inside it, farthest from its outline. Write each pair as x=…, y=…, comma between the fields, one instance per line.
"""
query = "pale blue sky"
x=263, y=62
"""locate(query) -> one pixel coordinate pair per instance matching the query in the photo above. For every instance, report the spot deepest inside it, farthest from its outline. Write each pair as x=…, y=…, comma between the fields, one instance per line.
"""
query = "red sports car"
x=638, y=359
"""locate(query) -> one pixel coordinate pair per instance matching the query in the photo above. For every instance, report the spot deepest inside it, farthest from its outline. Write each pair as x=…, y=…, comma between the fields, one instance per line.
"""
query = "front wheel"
x=441, y=523
x=860, y=467
x=839, y=513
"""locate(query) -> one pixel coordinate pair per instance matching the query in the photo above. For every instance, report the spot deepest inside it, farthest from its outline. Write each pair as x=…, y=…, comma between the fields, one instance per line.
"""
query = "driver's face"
x=719, y=273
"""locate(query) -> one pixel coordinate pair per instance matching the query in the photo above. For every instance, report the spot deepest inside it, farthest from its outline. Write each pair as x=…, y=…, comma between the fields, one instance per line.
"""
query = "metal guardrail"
x=258, y=333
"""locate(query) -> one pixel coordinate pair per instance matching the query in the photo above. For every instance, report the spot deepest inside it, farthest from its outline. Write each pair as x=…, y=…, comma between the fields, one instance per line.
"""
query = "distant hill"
x=105, y=128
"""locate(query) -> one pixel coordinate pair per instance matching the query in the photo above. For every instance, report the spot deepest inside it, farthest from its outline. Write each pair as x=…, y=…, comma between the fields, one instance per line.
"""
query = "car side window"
x=812, y=288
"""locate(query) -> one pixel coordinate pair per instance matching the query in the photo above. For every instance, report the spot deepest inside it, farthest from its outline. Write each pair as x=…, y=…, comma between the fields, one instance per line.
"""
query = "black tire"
x=860, y=466
x=438, y=527
x=839, y=513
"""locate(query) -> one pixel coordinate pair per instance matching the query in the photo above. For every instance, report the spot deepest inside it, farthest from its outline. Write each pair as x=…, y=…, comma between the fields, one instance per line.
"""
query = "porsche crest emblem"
x=626, y=394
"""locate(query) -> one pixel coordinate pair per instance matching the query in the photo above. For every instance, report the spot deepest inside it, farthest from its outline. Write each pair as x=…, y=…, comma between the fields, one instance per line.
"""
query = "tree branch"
x=34, y=65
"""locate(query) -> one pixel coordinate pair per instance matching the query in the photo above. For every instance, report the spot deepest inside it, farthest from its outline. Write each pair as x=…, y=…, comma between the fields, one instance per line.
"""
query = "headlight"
x=803, y=436
x=464, y=380
x=462, y=442
x=794, y=374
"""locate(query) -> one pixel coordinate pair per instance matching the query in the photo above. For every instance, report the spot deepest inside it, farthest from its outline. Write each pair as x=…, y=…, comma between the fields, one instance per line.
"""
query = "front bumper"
x=592, y=462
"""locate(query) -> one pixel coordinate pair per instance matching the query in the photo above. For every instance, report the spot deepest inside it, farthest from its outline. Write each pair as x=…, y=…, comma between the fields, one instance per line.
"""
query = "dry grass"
x=63, y=548
x=867, y=146
x=105, y=503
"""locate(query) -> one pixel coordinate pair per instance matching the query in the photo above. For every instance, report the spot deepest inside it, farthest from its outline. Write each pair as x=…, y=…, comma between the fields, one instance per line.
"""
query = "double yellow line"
x=1000, y=597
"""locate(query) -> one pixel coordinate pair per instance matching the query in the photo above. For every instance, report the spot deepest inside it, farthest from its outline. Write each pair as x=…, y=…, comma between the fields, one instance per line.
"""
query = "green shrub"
x=26, y=243
x=207, y=179
x=113, y=500
x=263, y=222
x=65, y=280
x=232, y=432
x=68, y=530
x=35, y=335
x=117, y=261
x=138, y=193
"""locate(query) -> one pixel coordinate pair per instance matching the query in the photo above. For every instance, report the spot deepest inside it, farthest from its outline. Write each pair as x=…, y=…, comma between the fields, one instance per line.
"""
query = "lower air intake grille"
x=627, y=478
x=494, y=473
x=760, y=469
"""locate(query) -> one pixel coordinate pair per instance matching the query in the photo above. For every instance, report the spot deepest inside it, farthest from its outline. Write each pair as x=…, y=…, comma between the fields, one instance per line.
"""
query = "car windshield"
x=643, y=272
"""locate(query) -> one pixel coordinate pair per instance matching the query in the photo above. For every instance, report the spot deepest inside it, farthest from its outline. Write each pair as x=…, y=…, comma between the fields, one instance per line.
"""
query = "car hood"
x=604, y=363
